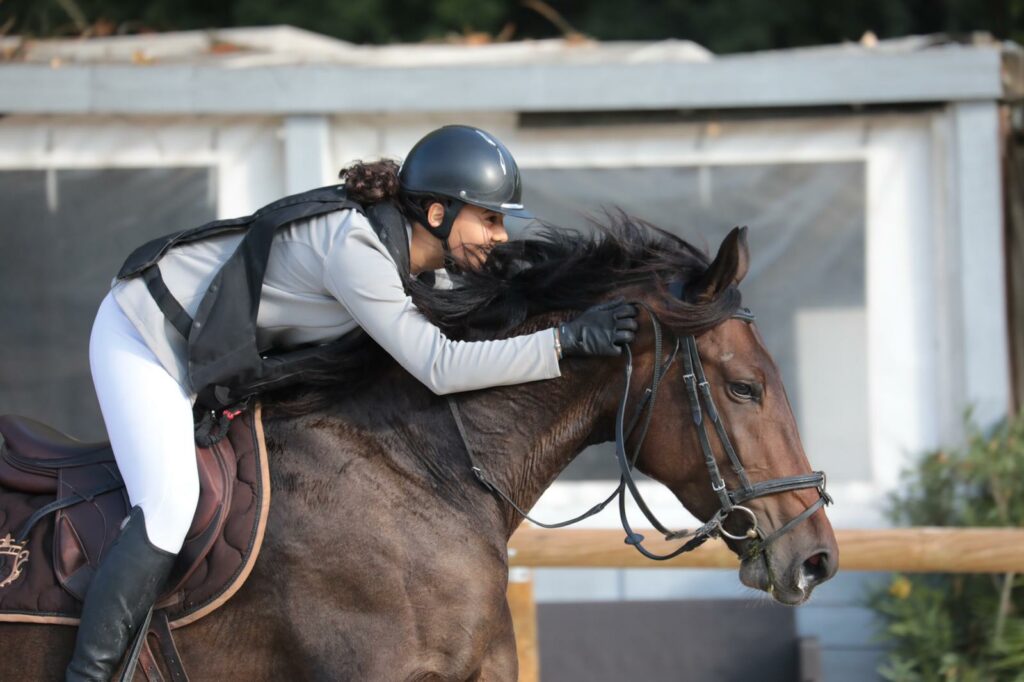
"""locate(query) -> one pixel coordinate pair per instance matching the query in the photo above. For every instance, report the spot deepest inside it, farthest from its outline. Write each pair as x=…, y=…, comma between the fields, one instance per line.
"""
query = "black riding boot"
x=126, y=584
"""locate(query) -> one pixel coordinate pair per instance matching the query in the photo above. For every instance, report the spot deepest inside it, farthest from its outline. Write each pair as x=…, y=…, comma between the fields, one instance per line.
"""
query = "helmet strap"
x=451, y=212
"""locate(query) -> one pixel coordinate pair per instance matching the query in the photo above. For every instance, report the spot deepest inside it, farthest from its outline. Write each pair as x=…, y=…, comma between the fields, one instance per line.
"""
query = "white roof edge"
x=286, y=38
x=754, y=80
x=267, y=39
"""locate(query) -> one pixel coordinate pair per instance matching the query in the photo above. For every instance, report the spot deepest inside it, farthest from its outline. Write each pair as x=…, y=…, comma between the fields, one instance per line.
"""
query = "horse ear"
x=729, y=267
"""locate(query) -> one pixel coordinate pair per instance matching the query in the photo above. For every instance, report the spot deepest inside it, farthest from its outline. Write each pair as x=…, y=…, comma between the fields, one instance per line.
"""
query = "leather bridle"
x=730, y=501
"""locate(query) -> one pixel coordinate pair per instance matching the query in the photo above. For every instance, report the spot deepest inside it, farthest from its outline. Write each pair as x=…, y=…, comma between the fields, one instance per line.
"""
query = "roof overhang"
x=616, y=81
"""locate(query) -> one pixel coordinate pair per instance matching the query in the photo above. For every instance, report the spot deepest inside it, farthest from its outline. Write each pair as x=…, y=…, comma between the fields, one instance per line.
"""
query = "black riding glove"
x=600, y=330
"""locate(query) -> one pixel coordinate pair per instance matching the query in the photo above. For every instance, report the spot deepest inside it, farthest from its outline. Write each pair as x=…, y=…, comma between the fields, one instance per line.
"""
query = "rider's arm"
x=361, y=274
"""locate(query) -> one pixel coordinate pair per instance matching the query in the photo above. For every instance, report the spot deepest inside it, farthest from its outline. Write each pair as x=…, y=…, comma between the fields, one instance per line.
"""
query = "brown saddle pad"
x=44, y=579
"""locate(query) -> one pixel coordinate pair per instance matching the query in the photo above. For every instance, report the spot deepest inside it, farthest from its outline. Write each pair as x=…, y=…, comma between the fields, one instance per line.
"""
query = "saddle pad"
x=37, y=595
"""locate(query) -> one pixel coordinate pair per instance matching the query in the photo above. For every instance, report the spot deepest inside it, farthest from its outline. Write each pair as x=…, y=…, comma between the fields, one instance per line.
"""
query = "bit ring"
x=751, y=533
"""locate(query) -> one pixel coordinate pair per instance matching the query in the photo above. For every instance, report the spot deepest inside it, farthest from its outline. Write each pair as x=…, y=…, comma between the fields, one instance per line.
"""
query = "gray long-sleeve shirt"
x=326, y=276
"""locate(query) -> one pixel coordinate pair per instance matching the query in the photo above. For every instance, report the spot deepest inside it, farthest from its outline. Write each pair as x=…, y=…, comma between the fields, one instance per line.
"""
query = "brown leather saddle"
x=62, y=503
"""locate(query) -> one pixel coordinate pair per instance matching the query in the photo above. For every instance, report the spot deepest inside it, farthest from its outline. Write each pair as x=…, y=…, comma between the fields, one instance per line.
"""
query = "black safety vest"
x=224, y=363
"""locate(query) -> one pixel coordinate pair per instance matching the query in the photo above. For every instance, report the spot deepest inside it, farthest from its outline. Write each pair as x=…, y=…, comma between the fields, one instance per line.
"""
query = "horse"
x=385, y=555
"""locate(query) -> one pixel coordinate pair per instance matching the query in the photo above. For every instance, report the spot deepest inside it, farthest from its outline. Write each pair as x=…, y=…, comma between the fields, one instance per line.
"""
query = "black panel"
x=63, y=236
x=673, y=641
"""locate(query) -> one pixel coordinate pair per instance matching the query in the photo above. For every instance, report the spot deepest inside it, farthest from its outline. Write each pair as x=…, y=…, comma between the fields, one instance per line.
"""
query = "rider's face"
x=475, y=231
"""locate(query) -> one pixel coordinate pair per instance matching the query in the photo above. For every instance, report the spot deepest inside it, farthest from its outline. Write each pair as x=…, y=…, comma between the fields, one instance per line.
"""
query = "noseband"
x=699, y=393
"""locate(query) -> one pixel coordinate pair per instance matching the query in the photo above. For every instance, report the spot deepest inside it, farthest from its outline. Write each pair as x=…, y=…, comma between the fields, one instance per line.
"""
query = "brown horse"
x=386, y=559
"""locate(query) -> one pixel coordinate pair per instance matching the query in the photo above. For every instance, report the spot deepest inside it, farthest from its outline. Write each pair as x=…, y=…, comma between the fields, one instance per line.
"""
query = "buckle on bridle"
x=822, y=489
x=479, y=473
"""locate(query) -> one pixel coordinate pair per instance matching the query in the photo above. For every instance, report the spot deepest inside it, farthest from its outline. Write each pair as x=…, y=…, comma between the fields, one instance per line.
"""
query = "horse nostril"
x=816, y=568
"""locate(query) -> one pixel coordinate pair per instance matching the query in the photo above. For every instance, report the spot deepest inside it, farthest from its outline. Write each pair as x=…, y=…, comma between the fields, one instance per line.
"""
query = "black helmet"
x=459, y=165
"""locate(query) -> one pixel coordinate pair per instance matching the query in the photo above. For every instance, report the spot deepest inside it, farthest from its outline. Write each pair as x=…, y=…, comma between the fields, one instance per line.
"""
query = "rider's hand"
x=600, y=330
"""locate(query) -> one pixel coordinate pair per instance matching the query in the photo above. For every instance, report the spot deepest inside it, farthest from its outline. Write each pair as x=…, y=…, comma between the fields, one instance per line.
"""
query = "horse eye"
x=743, y=391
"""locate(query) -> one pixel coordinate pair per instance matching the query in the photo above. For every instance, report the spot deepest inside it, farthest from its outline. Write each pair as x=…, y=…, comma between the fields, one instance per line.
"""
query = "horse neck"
x=523, y=449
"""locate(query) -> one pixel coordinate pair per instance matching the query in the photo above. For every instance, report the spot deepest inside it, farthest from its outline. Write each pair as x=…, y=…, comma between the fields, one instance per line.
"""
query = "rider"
x=325, y=276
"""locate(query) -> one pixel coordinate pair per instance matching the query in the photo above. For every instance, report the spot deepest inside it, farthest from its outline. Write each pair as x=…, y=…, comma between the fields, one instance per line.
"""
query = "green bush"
x=958, y=627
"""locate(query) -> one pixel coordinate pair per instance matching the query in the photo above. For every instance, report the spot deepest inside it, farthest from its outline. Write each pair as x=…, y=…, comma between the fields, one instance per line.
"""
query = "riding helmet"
x=458, y=165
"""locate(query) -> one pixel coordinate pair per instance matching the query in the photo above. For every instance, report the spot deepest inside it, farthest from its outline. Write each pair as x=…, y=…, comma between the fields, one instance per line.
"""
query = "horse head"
x=722, y=435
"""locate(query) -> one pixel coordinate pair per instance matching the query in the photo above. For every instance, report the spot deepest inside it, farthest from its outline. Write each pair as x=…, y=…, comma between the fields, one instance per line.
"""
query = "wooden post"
x=524, y=620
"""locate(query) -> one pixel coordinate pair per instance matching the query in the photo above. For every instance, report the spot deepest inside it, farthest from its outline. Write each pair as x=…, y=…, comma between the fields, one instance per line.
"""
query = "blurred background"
x=722, y=27
x=872, y=148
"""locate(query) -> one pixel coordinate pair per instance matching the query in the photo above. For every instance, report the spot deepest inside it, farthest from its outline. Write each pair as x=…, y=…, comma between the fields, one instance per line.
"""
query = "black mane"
x=558, y=270
x=553, y=274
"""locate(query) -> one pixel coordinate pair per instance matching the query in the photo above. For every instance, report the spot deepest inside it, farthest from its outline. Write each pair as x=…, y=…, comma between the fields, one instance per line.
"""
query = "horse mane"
x=553, y=273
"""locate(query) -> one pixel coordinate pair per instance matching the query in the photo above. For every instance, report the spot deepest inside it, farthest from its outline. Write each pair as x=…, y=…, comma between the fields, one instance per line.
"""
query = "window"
x=63, y=236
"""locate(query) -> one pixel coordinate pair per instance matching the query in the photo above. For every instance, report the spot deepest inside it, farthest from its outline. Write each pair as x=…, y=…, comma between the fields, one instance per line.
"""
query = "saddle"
x=62, y=503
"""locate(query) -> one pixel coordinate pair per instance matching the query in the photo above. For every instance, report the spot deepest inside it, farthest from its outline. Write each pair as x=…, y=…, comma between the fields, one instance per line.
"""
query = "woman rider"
x=325, y=276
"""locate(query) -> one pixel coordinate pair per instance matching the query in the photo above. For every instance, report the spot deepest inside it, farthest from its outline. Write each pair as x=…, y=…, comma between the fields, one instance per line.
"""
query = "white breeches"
x=149, y=423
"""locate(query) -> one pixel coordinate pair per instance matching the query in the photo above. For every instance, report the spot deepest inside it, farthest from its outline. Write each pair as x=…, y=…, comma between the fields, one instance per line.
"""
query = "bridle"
x=699, y=393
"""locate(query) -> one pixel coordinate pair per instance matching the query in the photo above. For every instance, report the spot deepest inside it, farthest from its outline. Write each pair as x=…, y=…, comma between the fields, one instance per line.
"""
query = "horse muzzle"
x=792, y=583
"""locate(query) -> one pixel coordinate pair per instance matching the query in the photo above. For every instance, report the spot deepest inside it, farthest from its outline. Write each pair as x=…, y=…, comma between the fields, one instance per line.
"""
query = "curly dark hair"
x=370, y=182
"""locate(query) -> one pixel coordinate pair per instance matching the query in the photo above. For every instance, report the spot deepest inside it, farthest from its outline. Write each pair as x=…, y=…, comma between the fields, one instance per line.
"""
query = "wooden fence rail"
x=920, y=550
x=906, y=550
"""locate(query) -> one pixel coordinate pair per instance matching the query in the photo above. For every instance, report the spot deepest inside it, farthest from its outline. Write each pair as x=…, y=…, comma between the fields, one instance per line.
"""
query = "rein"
x=698, y=392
